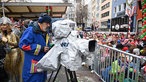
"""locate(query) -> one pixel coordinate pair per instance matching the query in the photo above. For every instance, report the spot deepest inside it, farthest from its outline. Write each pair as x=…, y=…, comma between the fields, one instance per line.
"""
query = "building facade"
x=85, y=15
x=105, y=14
x=139, y=16
x=119, y=21
x=118, y=8
x=96, y=10
x=93, y=2
x=120, y=16
x=98, y=16
x=89, y=14
x=71, y=11
x=16, y=0
x=81, y=13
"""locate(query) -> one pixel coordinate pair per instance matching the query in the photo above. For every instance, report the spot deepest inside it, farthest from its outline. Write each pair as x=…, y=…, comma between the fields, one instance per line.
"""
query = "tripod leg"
x=51, y=76
x=66, y=74
x=75, y=77
x=57, y=73
x=71, y=75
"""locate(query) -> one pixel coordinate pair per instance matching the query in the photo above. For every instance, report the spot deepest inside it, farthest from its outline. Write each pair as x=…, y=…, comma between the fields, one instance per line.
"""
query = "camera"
x=67, y=50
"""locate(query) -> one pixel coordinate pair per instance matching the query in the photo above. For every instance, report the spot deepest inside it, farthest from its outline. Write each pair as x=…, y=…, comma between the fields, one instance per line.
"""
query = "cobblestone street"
x=83, y=75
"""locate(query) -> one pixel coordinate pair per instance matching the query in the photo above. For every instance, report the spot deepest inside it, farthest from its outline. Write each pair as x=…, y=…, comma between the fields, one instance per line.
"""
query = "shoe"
x=83, y=63
x=92, y=71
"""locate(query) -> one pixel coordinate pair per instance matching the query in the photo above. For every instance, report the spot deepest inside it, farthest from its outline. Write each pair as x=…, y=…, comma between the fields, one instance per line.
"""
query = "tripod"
x=69, y=74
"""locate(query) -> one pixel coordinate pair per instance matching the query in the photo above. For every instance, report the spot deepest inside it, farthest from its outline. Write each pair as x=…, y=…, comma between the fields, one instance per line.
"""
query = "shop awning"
x=33, y=9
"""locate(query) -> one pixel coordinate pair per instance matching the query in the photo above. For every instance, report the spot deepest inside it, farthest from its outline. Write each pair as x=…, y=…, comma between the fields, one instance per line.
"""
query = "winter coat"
x=32, y=42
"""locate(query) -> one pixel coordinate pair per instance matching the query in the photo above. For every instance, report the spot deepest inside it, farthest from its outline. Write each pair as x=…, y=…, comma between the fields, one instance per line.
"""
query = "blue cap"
x=44, y=17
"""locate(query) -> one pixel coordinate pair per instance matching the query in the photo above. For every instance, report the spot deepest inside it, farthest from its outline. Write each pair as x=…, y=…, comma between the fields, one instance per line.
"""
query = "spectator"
x=34, y=43
x=13, y=59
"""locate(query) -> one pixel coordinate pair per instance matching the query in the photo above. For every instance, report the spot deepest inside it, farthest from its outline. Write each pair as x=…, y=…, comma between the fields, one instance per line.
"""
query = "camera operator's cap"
x=5, y=20
x=44, y=17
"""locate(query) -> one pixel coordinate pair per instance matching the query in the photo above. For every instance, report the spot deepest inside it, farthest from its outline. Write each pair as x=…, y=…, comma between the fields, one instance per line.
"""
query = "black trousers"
x=3, y=75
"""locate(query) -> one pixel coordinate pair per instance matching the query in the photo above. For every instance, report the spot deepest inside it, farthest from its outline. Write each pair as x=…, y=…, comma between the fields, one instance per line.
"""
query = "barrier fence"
x=113, y=65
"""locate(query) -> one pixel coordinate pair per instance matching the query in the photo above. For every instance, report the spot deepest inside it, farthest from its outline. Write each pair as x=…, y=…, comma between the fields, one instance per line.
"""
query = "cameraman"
x=35, y=43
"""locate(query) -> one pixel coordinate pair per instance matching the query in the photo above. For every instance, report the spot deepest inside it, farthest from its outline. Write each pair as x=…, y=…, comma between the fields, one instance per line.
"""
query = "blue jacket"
x=32, y=42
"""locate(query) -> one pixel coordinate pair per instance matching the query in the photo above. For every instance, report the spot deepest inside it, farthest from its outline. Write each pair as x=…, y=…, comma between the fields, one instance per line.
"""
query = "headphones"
x=40, y=20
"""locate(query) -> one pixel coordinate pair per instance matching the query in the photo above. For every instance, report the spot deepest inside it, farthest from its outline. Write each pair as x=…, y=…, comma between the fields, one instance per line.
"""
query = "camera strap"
x=68, y=34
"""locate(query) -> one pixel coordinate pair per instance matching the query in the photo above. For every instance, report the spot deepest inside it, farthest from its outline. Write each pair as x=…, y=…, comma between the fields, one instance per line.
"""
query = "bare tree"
x=85, y=12
x=65, y=1
x=78, y=1
x=81, y=13
x=78, y=13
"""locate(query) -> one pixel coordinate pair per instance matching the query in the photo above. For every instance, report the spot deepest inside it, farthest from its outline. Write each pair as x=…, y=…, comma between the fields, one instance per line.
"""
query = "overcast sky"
x=53, y=1
x=87, y=1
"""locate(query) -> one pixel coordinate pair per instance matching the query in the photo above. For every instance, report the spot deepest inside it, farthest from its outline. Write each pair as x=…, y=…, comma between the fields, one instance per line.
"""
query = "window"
x=119, y=7
x=97, y=15
x=124, y=5
x=122, y=20
x=105, y=6
x=105, y=14
x=108, y=4
x=104, y=23
x=102, y=8
x=103, y=1
x=126, y=20
x=73, y=16
x=115, y=9
x=98, y=1
x=97, y=8
x=94, y=6
x=69, y=15
x=113, y=22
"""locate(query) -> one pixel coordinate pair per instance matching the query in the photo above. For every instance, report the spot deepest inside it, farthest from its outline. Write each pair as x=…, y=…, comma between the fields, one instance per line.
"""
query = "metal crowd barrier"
x=113, y=65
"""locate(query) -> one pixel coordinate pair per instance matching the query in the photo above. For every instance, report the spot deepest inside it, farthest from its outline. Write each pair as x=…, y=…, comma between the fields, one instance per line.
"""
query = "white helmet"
x=5, y=20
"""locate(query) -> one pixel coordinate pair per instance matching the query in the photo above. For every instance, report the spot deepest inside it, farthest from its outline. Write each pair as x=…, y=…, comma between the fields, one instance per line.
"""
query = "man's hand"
x=46, y=49
x=4, y=39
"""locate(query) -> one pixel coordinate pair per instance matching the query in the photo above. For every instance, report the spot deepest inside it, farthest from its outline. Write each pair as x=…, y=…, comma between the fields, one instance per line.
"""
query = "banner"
x=129, y=8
